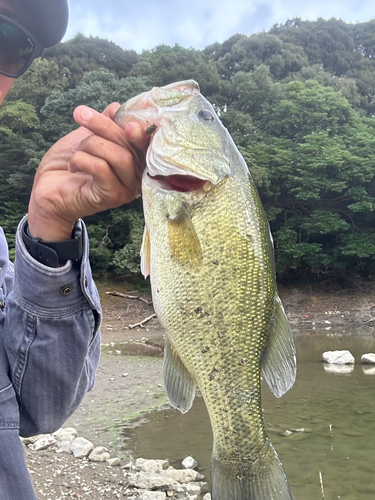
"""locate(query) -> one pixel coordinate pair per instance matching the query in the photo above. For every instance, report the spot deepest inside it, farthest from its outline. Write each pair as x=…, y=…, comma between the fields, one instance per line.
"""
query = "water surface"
x=331, y=417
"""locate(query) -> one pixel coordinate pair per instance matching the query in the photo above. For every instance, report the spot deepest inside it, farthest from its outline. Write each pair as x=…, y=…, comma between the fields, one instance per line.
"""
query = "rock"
x=184, y=476
x=339, y=357
x=114, y=462
x=64, y=447
x=152, y=495
x=287, y=433
x=368, y=358
x=32, y=439
x=192, y=488
x=147, y=481
x=43, y=442
x=189, y=463
x=81, y=447
x=67, y=434
x=207, y=496
x=99, y=454
x=150, y=466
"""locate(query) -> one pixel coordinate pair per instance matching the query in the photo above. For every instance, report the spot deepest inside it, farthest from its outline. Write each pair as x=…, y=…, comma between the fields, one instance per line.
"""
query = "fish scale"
x=235, y=306
x=210, y=258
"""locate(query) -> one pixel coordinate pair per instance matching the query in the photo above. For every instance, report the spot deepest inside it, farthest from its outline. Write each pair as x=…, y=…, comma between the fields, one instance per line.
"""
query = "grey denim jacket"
x=49, y=351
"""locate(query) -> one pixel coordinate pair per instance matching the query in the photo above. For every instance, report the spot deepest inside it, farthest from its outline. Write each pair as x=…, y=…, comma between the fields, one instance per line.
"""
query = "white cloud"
x=199, y=23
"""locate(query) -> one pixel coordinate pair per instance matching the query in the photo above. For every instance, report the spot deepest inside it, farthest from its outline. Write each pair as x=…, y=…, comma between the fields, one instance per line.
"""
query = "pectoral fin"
x=279, y=364
x=179, y=384
x=184, y=243
x=145, y=253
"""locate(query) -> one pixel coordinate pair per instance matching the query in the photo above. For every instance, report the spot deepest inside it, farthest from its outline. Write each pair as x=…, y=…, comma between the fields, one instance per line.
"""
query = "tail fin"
x=259, y=479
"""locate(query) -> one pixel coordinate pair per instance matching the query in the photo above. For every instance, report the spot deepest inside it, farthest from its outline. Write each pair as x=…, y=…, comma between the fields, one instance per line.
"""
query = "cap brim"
x=47, y=20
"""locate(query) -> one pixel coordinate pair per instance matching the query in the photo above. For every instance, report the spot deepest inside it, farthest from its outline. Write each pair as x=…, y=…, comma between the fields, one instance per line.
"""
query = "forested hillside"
x=299, y=101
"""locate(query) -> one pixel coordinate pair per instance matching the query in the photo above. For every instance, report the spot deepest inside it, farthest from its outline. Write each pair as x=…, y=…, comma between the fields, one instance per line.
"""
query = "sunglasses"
x=18, y=48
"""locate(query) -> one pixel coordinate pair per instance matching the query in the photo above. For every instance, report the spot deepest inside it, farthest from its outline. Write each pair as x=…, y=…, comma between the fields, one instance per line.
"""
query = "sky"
x=141, y=25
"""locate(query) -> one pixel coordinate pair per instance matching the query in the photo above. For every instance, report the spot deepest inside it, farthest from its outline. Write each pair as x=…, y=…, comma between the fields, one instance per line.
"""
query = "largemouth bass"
x=208, y=250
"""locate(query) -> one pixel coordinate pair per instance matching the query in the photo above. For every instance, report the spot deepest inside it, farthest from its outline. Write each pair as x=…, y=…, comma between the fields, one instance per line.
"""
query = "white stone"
x=81, y=447
x=32, y=439
x=64, y=447
x=184, y=476
x=114, y=462
x=67, y=434
x=148, y=465
x=152, y=495
x=99, y=454
x=368, y=358
x=189, y=463
x=43, y=443
x=192, y=488
x=147, y=481
x=207, y=496
x=339, y=357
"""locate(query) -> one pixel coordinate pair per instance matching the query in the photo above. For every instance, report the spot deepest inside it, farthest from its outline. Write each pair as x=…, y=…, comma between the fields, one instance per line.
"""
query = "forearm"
x=52, y=339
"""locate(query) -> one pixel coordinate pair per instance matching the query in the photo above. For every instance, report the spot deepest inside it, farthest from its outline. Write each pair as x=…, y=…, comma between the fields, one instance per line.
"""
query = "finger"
x=108, y=129
x=136, y=135
x=105, y=190
x=99, y=124
x=133, y=130
x=118, y=158
x=110, y=110
x=103, y=126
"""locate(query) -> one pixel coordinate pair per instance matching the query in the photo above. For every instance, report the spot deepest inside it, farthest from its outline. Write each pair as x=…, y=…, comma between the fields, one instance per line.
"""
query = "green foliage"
x=97, y=89
x=127, y=259
x=299, y=102
x=19, y=116
x=43, y=77
x=84, y=54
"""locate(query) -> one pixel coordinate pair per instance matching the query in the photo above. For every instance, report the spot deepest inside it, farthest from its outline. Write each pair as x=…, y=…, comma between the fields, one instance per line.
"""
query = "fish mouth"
x=180, y=183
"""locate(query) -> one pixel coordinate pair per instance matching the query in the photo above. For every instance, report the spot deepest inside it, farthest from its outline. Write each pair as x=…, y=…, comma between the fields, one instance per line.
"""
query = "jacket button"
x=65, y=290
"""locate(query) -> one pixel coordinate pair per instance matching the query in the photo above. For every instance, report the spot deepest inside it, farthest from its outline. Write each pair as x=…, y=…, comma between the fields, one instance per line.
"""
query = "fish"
x=209, y=252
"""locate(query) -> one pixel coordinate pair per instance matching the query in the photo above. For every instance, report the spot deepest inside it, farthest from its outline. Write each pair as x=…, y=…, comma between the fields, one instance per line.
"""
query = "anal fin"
x=279, y=364
x=179, y=384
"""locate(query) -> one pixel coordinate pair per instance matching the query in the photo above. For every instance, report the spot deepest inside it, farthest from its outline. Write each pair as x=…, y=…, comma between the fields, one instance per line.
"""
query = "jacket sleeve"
x=52, y=337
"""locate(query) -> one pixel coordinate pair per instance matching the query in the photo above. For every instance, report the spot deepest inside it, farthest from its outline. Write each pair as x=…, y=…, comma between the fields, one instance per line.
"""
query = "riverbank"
x=129, y=384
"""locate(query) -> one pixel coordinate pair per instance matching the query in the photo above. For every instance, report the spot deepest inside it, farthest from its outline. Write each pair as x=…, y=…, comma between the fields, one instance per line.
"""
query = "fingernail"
x=76, y=146
x=86, y=114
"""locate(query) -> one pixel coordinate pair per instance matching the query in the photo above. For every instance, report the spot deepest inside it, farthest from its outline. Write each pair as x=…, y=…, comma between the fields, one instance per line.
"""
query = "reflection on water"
x=330, y=418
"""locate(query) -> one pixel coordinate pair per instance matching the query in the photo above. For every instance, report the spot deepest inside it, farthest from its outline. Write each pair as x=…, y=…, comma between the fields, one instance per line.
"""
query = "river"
x=329, y=451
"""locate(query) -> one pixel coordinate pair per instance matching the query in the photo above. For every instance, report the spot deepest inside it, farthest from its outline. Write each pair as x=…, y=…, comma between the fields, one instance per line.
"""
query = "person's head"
x=26, y=28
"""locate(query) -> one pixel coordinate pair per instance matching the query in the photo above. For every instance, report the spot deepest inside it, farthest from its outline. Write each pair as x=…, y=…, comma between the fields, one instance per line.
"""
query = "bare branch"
x=144, y=321
x=125, y=296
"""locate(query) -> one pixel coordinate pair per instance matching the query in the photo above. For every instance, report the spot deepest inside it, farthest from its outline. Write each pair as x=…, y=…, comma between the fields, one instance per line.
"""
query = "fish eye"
x=205, y=114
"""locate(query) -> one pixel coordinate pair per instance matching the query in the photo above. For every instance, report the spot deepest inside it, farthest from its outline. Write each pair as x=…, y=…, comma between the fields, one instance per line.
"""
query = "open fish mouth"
x=180, y=183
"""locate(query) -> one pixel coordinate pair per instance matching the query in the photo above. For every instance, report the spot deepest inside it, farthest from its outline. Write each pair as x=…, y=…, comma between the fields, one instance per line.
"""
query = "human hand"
x=94, y=168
